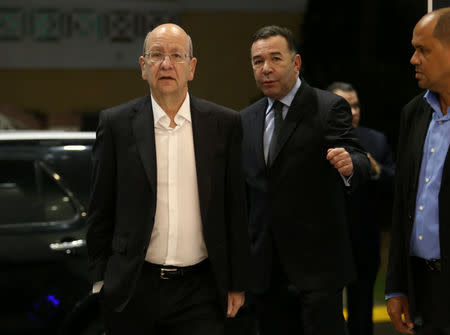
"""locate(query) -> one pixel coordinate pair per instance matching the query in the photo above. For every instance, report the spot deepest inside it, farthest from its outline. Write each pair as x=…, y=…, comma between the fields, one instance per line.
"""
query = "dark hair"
x=269, y=31
x=442, y=28
x=341, y=86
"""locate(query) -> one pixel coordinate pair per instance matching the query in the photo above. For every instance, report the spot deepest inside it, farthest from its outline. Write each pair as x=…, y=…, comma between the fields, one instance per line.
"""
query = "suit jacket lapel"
x=294, y=116
x=257, y=121
x=204, y=132
x=420, y=134
x=144, y=132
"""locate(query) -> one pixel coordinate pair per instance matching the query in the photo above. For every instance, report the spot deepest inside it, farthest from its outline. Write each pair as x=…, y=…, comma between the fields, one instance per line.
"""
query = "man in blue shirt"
x=418, y=279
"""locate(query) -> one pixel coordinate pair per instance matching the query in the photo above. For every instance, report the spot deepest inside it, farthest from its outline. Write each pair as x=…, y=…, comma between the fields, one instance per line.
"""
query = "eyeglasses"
x=158, y=57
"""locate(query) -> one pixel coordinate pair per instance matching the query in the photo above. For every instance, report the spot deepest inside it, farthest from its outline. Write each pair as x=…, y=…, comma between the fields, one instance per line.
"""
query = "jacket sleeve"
x=397, y=274
x=340, y=133
x=102, y=205
x=236, y=211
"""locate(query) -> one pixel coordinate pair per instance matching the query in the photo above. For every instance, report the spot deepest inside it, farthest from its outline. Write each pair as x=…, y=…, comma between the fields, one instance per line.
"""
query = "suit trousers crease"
x=186, y=305
x=285, y=309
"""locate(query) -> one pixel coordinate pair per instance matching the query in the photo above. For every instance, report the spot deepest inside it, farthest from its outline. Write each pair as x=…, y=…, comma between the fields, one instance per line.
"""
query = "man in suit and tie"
x=168, y=238
x=299, y=153
x=367, y=208
x=418, y=277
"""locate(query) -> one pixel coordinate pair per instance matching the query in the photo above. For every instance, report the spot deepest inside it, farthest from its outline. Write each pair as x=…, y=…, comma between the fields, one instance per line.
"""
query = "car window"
x=74, y=167
x=30, y=193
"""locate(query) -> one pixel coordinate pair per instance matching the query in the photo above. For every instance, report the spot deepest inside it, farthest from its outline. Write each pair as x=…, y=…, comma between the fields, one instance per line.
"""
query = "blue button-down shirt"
x=425, y=232
x=270, y=116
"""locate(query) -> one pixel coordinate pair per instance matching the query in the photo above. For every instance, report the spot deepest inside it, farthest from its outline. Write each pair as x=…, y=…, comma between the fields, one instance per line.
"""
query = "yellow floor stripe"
x=379, y=314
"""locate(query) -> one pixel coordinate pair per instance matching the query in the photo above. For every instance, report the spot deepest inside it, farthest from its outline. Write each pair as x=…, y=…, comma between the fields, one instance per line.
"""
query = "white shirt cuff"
x=97, y=286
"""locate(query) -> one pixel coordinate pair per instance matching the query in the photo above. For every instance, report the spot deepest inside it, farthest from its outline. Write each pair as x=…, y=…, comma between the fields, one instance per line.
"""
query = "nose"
x=267, y=67
x=414, y=59
x=166, y=61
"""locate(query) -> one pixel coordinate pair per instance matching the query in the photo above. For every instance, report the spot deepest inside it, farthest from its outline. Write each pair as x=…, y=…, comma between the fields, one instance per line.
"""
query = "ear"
x=143, y=65
x=192, y=65
x=297, y=63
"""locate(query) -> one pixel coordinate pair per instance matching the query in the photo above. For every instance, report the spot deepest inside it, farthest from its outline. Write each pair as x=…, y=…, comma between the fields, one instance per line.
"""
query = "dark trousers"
x=188, y=304
x=244, y=321
x=432, y=331
x=432, y=315
x=359, y=306
x=285, y=309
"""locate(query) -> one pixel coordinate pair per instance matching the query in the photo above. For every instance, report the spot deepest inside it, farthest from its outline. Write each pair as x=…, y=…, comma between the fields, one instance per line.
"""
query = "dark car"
x=44, y=193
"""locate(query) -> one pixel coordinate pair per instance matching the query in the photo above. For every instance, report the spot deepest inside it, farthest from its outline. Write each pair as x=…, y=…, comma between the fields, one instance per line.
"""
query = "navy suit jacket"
x=297, y=205
x=370, y=205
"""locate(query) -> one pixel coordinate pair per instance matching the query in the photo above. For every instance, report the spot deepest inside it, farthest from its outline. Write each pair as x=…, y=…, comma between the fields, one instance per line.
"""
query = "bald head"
x=442, y=27
x=170, y=29
x=431, y=57
x=439, y=22
x=167, y=65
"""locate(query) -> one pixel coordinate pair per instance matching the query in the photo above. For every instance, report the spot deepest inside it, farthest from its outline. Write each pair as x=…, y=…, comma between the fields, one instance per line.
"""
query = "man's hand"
x=396, y=307
x=341, y=160
x=375, y=168
x=235, y=301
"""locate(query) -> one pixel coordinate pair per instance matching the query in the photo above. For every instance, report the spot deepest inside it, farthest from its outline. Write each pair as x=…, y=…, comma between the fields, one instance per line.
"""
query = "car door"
x=42, y=229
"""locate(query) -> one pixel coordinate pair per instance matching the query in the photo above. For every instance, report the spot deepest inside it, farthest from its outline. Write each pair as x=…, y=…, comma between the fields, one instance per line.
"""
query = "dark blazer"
x=297, y=206
x=375, y=143
x=414, y=124
x=370, y=205
x=122, y=210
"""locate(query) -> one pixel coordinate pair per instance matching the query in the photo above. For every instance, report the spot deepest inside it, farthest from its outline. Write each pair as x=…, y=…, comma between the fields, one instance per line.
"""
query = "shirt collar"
x=287, y=99
x=183, y=113
x=432, y=98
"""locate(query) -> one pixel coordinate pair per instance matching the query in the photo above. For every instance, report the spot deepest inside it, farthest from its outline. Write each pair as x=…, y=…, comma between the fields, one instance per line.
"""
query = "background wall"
x=222, y=45
x=65, y=98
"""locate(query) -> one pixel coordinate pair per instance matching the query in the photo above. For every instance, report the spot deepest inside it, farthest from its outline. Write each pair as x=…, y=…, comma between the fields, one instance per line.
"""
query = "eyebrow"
x=417, y=45
x=275, y=53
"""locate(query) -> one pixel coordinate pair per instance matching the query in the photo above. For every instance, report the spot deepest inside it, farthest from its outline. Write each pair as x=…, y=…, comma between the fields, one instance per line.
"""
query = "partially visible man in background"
x=418, y=278
x=367, y=208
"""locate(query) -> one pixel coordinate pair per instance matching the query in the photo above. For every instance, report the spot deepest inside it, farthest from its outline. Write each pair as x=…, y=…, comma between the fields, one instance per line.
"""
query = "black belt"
x=429, y=264
x=174, y=272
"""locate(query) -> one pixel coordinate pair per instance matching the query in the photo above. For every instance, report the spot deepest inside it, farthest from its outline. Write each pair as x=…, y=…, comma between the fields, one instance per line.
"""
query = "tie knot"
x=277, y=106
x=277, y=109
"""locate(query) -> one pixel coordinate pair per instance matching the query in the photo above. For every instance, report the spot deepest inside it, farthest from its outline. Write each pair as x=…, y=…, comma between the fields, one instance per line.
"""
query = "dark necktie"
x=278, y=120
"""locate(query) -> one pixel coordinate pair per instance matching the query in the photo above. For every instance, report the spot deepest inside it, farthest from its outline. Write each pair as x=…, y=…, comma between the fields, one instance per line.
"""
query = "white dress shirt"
x=177, y=236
